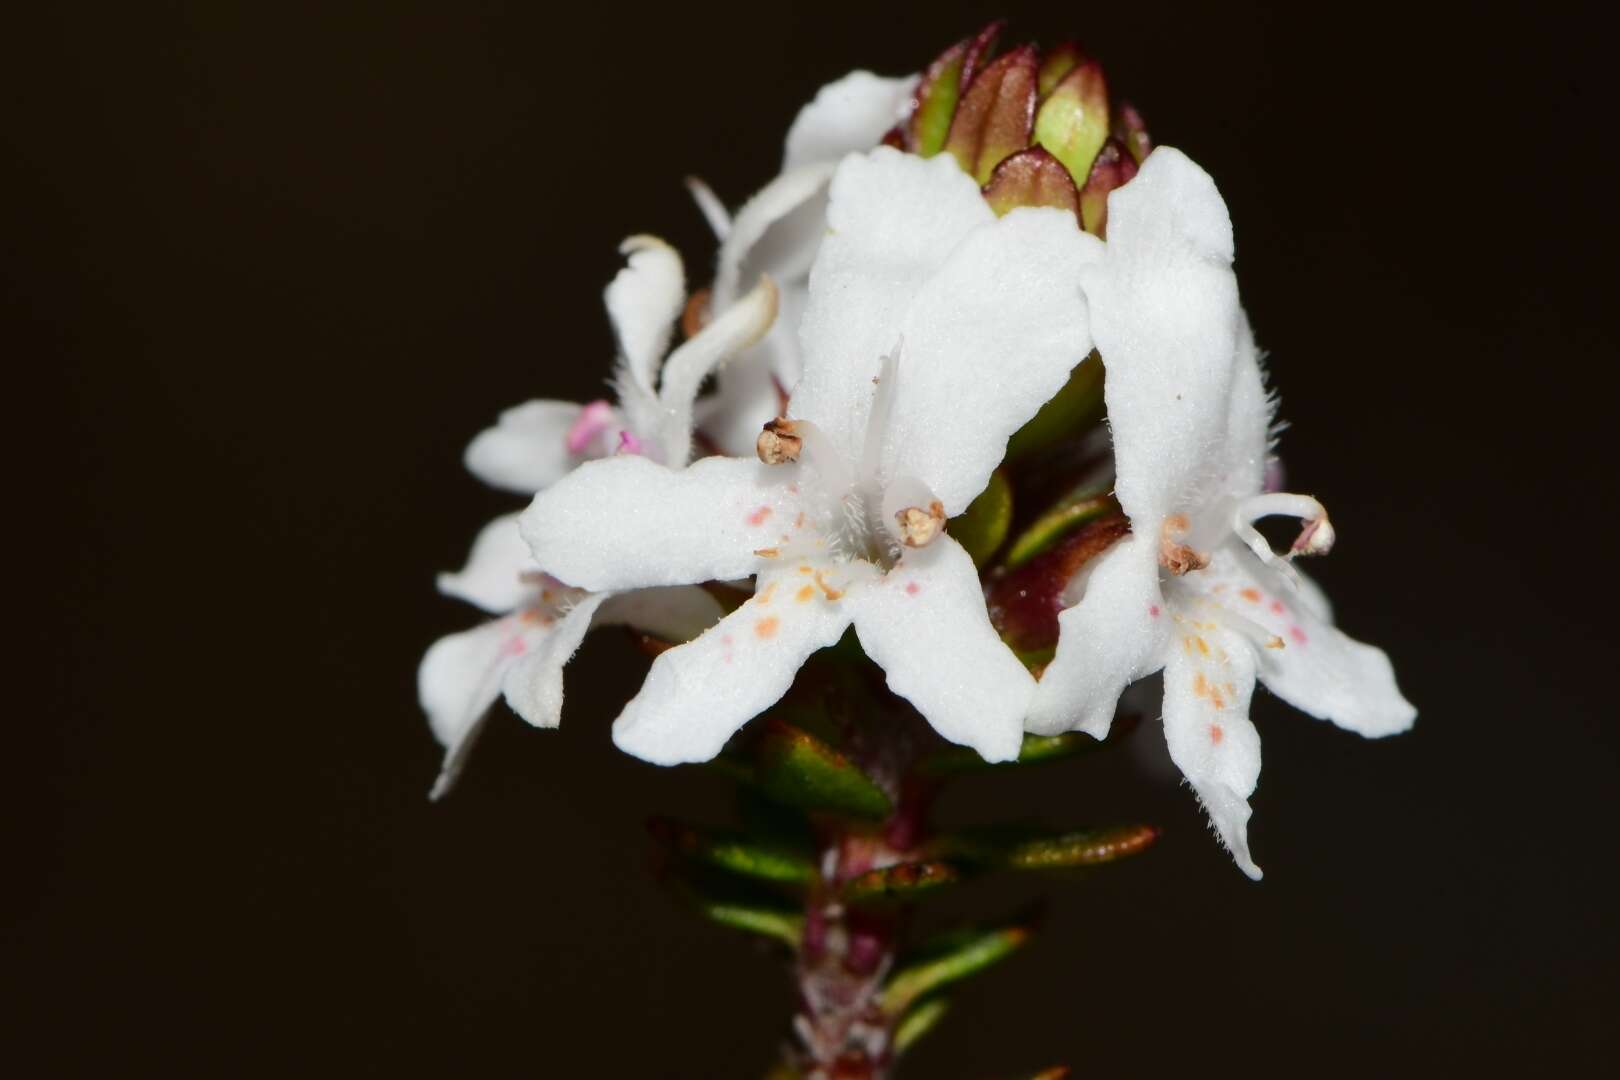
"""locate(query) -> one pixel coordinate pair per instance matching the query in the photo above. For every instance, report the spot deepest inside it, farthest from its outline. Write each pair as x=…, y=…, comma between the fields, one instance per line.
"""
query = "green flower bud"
x=1033, y=129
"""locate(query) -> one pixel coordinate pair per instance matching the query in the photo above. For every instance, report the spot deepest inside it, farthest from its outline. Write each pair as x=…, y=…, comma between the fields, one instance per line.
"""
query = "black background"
x=269, y=267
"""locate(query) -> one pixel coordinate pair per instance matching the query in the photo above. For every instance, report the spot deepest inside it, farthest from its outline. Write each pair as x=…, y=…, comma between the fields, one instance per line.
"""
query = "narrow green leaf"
x=794, y=767
x=1073, y=120
x=737, y=853
x=786, y=927
x=1025, y=849
x=919, y=1022
x=962, y=955
x=982, y=527
x=1084, y=504
x=904, y=881
x=1090, y=847
x=1072, y=411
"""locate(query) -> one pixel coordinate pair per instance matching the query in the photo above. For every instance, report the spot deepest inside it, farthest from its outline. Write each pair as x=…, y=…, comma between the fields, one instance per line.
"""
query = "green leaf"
x=1089, y=847
x=950, y=959
x=982, y=527
x=1071, y=411
x=794, y=767
x=919, y=1022
x=1073, y=120
x=1026, y=849
x=1031, y=177
x=784, y=926
x=904, y=881
x=1084, y=504
x=737, y=853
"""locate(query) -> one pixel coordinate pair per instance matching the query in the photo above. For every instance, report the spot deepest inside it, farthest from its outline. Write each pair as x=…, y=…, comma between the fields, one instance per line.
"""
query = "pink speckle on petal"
x=912, y=588
x=593, y=419
x=1277, y=607
x=1153, y=610
x=628, y=443
x=514, y=647
x=759, y=515
x=1298, y=635
x=1216, y=734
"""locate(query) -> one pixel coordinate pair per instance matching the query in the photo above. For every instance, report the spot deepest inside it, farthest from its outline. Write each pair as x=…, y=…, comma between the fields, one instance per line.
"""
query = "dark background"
x=269, y=267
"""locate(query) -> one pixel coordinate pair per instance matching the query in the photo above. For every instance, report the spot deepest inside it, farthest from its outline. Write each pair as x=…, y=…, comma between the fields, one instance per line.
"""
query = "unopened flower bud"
x=993, y=113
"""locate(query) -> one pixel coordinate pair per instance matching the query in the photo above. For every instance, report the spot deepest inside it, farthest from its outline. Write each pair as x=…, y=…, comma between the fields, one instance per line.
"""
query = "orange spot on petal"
x=805, y=592
x=1251, y=595
x=767, y=627
x=1216, y=734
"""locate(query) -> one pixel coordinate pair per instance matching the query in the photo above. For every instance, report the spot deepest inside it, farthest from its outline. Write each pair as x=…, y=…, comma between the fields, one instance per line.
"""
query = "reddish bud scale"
x=1113, y=168
x=987, y=113
x=1024, y=604
x=996, y=115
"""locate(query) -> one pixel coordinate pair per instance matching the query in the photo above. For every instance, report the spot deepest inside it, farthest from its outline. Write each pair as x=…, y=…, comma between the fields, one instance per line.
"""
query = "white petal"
x=893, y=220
x=527, y=449
x=458, y=680
x=533, y=684
x=1165, y=316
x=925, y=625
x=776, y=232
x=699, y=694
x=749, y=389
x=627, y=522
x=643, y=301
x=847, y=116
x=492, y=578
x=733, y=330
x=1113, y=636
x=990, y=337
x=1318, y=669
x=673, y=613
x=1208, y=681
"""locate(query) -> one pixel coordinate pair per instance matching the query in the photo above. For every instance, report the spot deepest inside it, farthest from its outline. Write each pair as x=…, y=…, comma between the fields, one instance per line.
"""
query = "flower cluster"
x=940, y=272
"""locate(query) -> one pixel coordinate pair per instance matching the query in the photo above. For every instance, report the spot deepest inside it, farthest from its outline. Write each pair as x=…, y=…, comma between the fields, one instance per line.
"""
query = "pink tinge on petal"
x=629, y=444
x=593, y=419
x=1275, y=475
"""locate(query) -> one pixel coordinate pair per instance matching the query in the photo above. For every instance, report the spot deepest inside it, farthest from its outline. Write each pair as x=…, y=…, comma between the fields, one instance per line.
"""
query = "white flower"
x=1195, y=590
x=522, y=654
x=933, y=332
x=777, y=232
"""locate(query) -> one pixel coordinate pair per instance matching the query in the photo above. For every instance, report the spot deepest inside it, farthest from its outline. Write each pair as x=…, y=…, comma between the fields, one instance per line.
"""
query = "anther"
x=779, y=443
x=1175, y=556
x=919, y=527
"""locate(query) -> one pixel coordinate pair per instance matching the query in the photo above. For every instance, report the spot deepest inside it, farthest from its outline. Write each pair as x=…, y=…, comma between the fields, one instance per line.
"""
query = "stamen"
x=1175, y=556
x=877, y=421
x=919, y=527
x=710, y=206
x=779, y=443
x=1316, y=536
